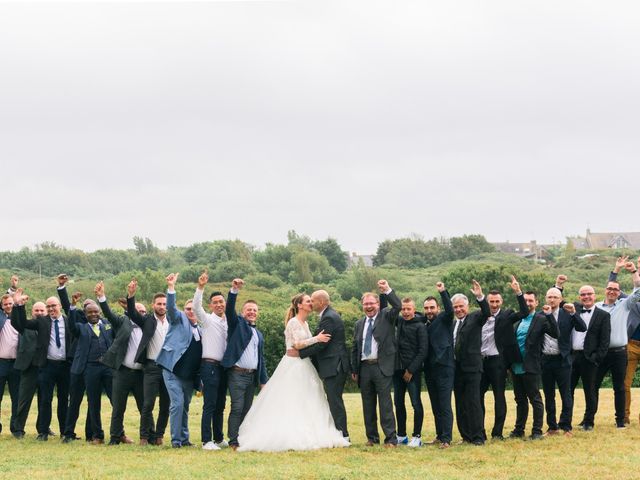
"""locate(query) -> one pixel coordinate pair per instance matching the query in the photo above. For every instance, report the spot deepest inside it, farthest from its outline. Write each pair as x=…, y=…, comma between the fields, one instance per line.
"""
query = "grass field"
x=605, y=453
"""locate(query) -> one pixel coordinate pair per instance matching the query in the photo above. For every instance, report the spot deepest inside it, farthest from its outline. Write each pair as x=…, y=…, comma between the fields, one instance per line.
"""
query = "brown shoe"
x=444, y=445
x=158, y=442
x=125, y=439
x=97, y=441
x=144, y=442
x=435, y=441
x=551, y=432
x=568, y=433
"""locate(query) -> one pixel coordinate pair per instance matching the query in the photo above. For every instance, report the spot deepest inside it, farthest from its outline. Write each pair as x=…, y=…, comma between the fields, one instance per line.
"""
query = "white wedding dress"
x=291, y=412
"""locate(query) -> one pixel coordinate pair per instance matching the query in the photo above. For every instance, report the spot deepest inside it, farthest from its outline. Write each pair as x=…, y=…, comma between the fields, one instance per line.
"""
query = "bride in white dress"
x=291, y=411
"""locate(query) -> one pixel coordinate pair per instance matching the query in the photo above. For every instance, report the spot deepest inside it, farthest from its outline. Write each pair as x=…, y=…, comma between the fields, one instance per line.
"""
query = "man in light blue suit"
x=180, y=358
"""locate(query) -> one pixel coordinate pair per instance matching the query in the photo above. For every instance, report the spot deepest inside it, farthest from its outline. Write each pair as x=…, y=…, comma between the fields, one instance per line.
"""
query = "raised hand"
x=99, y=289
x=172, y=278
x=440, y=287
x=237, y=283
x=383, y=286
x=62, y=279
x=76, y=297
x=630, y=267
x=203, y=279
x=515, y=286
x=547, y=310
x=620, y=263
x=132, y=288
x=570, y=308
x=19, y=298
x=560, y=279
x=476, y=289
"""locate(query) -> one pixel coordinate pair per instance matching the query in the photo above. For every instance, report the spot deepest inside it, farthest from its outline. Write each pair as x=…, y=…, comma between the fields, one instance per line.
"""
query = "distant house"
x=527, y=250
x=602, y=241
x=354, y=259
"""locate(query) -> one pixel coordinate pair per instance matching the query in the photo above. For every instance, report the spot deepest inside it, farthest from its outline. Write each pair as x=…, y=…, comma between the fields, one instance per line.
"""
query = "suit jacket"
x=178, y=337
x=540, y=325
x=331, y=357
x=469, y=339
x=239, y=333
x=440, y=331
x=147, y=323
x=42, y=326
x=596, y=342
x=384, y=334
x=503, y=334
x=83, y=331
x=122, y=331
x=26, y=349
x=566, y=324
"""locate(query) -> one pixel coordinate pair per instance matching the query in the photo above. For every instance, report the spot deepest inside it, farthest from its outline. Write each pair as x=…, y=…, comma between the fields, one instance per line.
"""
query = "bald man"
x=330, y=358
x=556, y=362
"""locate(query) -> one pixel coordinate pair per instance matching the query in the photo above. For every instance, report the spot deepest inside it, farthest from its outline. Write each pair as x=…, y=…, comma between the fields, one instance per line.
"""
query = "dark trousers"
x=554, y=372
x=214, y=394
x=242, y=388
x=153, y=385
x=125, y=380
x=11, y=376
x=334, y=387
x=615, y=361
x=400, y=388
x=54, y=374
x=466, y=386
x=375, y=387
x=97, y=378
x=439, y=380
x=28, y=388
x=526, y=390
x=586, y=371
x=76, y=394
x=494, y=374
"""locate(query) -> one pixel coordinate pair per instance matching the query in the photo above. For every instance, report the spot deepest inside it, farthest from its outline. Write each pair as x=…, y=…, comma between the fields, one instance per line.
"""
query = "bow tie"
x=584, y=310
x=252, y=325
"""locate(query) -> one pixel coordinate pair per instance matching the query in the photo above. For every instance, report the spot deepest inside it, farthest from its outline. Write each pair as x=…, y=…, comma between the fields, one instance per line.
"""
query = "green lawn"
x=605, y=453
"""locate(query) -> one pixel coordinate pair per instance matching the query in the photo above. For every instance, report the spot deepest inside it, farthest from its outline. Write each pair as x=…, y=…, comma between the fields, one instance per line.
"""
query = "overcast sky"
x=187, y=122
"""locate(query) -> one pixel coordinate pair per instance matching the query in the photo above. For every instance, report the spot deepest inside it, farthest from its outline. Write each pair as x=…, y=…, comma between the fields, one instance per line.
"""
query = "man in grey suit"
x=330, y=358
x=373, y=360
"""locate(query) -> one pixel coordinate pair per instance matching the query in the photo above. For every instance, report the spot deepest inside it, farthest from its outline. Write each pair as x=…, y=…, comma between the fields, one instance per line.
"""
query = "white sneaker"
x=210, y=446
x=402, y=440
x=415, y=442
x=222, y=444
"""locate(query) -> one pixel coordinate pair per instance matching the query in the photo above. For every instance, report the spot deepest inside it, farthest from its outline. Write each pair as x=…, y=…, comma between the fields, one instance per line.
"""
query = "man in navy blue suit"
x=243, y=358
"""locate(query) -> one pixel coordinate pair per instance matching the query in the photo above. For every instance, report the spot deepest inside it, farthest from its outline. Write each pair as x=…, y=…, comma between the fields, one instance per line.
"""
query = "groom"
x=330, y=358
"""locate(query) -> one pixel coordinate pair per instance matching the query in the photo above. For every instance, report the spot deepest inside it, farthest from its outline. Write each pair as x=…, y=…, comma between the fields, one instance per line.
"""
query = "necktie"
x=457, y=337
x=368, y=337
x=96, y=329
x=56, y=330
x=584, y=310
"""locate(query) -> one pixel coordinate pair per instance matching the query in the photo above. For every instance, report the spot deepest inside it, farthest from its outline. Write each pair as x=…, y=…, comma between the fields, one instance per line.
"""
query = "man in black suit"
x=373, y=360
x=127, y=373
x=330, y=358
x=439, y=367
x=154, y=330
x=588, y=350
x=498, y=351
x=9, y=338
x=467, y=340
x=529, y=335
x=52, y=357
x=28, y=370
x=557, y=360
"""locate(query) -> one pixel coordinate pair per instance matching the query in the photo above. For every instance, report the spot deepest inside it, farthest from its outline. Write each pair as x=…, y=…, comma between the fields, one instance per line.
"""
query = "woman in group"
x=291, y=412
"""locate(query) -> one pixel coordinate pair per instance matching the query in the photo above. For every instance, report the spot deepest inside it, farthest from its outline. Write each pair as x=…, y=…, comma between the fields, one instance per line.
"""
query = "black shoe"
x=18, y=435
x=187, y=444
x=478, y=443
x=587, y=428
x=497, y=437
x=536, y=436
x=114, y=441
x=51, y=433
x=42, y=437
x=515, y=434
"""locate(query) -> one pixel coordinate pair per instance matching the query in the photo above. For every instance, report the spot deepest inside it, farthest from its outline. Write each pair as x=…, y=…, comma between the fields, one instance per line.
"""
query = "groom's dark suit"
x=332, y=361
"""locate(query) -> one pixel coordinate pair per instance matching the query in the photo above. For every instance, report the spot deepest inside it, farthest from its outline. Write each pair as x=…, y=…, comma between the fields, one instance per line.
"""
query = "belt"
x=548, y=355
x=211, y=360
x=124, y=367
x=370, y=362
x=485, y=357
x=242, y=370
x=618, y=349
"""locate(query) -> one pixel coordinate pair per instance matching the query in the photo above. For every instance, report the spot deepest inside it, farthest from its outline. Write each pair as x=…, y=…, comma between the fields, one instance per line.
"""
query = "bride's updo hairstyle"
x=294, y=307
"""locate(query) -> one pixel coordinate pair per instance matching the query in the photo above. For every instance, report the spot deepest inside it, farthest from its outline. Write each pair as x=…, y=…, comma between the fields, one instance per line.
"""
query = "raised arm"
x=230, y=309
x=485, y=311
x=173, y=314
x=63, y=294
x=201, y=315
x=523, y=310
x=396, y=305
x=447, y=315
x=19, y=314
x=131, y=304
x=114, y=319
